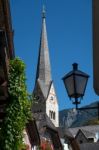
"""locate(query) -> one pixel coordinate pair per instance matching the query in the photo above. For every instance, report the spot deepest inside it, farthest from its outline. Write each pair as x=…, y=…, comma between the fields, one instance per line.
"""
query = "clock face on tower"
x=51, y=98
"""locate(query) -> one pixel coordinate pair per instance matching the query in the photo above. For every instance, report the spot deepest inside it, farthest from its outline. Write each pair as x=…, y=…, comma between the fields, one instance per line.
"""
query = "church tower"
x=46, y=99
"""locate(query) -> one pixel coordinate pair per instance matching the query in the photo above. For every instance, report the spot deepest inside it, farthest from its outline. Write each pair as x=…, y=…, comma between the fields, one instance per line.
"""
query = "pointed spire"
x=43, y=69
x=43, y=12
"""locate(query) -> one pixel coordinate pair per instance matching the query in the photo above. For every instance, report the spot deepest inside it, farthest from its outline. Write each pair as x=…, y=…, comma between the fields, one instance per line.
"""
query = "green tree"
x=18, y=111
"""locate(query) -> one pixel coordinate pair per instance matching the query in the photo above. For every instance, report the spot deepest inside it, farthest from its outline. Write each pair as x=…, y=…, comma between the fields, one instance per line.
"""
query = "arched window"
x=54, y=115
x=50, y=114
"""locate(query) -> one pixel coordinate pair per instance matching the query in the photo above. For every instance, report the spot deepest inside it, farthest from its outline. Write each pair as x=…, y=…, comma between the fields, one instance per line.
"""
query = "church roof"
x=44, y=124
x=43, y=75
x=43, y=120
x=45, y=88
x=43, y=68
x=89, y=146
x=64, y=132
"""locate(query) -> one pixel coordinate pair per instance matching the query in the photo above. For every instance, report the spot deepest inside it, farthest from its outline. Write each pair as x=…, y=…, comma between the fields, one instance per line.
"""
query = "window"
x=52, y=115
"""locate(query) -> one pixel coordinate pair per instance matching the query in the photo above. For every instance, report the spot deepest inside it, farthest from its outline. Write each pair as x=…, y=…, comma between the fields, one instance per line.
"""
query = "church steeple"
x=46, y=99
x=43, y=68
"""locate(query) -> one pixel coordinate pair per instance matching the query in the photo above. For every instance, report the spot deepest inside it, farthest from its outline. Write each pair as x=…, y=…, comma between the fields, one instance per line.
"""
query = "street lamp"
x=75, y=83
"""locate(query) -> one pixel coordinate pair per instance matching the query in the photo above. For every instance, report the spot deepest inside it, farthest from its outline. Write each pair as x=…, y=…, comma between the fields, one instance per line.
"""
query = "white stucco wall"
x=66, y=147
x=52, y=105
x=26, y=139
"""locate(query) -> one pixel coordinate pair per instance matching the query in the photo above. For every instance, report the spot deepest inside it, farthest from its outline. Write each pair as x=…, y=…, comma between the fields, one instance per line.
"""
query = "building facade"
x=6, y=53
x=84, y=136
x=90, y=133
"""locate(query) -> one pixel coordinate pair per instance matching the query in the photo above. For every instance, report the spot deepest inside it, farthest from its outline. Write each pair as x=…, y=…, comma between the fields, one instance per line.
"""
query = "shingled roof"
x=43, y=87
x=90, y=128
x=64, y=132
x=86, y=133
x=43, y=67
x=43, y=75
x=44, y=125
x=89, y=146
x=43, y=120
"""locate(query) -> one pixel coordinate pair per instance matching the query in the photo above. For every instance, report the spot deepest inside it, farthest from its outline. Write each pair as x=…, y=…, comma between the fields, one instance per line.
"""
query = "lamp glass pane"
x=80, y=84
x=69, y=84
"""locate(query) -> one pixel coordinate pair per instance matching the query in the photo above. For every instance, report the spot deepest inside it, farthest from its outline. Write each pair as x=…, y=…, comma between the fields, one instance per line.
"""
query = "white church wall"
x=52, y=109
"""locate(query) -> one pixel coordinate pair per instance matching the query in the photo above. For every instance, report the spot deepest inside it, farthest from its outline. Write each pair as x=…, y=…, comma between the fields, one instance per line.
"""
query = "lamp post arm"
x=76, y=102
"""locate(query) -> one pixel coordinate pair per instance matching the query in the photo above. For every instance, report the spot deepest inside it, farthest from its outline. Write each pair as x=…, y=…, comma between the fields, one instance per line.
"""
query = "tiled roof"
x=44, y=88
x=64, y=132
x=43, y=120
x=91, y=128
x=87, y=133
x=89, y=146
x=43, y=68
x=45, y=124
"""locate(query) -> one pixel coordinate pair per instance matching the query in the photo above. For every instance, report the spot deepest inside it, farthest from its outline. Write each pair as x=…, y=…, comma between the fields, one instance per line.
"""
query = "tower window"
x=52, y=115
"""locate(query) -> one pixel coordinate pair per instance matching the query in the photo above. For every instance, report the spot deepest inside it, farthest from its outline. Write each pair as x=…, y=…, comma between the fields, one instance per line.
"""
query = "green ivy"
x=18, y=111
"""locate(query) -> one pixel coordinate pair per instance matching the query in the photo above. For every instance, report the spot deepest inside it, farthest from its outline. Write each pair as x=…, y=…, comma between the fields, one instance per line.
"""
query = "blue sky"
x=69, y=28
